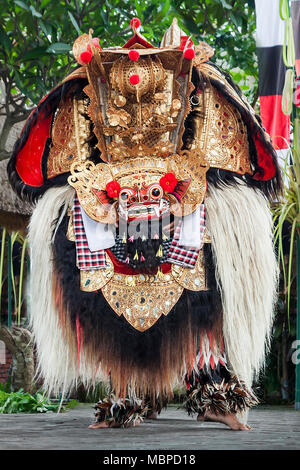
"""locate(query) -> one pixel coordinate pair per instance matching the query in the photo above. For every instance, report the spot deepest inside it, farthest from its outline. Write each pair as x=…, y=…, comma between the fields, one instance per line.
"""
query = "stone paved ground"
x=273, y=428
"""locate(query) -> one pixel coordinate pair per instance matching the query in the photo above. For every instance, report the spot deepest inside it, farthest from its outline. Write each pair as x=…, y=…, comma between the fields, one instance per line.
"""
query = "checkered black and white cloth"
x=85, y=259
x=181, y=254
x=173, y=252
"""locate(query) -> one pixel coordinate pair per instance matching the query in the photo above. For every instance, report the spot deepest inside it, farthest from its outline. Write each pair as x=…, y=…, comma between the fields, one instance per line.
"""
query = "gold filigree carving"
x=70, y=231
x=142, y=299
x=203, y=52
x=95, y=279
x=211, y=72
x=82, y=128
x=87, y=176
x=220, y=133
x=191, y=279
x=70, y=134
x=143, y=302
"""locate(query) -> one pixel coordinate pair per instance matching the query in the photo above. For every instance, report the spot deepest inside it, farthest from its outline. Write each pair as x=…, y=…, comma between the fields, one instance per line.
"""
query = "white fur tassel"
x=57, y=366
x=240, y=225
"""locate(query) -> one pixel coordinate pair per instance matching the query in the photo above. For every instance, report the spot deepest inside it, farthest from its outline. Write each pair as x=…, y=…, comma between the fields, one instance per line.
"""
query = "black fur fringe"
x=142, y=349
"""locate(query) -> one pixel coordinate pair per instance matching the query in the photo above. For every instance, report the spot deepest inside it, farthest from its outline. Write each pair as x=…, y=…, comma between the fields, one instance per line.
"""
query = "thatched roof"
x=14, y=213
x=9, y=201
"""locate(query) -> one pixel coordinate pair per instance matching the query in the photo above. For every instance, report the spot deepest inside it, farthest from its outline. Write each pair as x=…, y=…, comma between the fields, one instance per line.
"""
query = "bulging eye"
x=156, y=192
x=124, y=195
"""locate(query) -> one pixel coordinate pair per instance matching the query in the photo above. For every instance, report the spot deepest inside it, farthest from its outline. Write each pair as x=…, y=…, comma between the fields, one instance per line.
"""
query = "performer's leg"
x=121, y=413
x=215, y=395
x=118, y=413
x=155, y=406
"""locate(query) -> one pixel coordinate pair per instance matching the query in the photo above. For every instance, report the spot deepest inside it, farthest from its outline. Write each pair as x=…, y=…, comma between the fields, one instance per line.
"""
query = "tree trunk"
x=19, y=342
x=3, y=138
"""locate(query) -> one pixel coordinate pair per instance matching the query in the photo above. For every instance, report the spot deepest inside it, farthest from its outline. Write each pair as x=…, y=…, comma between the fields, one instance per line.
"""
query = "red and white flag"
x=269, y=40
x=295, y=14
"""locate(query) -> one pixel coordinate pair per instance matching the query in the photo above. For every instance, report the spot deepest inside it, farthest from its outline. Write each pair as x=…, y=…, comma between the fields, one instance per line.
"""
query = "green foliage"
x=18, y=294
x=289, y=210
x=93, y=394
x=71, y=404
x=21, y=402
x=36, y=36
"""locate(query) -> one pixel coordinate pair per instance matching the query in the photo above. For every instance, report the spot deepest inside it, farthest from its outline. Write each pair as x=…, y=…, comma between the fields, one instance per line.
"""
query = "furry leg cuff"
x=220, y=398
x=120, y=413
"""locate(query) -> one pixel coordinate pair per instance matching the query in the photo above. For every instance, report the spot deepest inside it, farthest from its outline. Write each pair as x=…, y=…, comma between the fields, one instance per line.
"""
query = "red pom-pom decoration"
x=135, y=22
x=168, y=182
x=113, y=189
x=96, y=44
x=189, y=54
x=134, y=55
x=86, y=57
x=134, y=79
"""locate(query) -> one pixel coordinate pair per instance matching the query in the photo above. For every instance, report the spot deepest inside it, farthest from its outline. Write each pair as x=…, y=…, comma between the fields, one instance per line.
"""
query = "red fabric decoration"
x=29, y=159
x=137, y=39
x=113, y=189
x=266, y=170
x=86, y=57
x=183, y=41
x=181, y=188
x=101, y=195
x=189, y=54
x=135, y=22
x=123, y=268
x=134, y=79
x=168, y=182
x=134, y=55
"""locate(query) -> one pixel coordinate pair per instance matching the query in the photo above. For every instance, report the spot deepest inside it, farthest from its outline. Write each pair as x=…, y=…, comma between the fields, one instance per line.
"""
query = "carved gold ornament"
x=142, y=299
x=88, y=179
x=70, y=135
x=220, y=134
x=191, y=279
x=94, y=280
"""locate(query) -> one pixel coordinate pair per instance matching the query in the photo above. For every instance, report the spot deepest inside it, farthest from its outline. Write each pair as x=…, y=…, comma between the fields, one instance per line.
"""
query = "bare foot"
x=105, y=424
x=230, y=420
x=102, y=424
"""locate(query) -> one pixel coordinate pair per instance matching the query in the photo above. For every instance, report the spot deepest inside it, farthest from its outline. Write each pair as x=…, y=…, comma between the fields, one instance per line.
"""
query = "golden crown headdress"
x=139, y=94
x=138, y=100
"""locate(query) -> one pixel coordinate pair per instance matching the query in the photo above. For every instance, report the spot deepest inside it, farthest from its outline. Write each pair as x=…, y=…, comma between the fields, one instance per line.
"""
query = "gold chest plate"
x=142, y=299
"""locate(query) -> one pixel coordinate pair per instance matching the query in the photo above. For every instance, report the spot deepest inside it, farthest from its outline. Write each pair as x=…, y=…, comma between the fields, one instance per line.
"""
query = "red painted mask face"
x=142, y=202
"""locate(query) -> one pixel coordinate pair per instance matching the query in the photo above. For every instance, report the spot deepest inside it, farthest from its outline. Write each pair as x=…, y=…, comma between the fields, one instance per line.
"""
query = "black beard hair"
x=148, y=247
